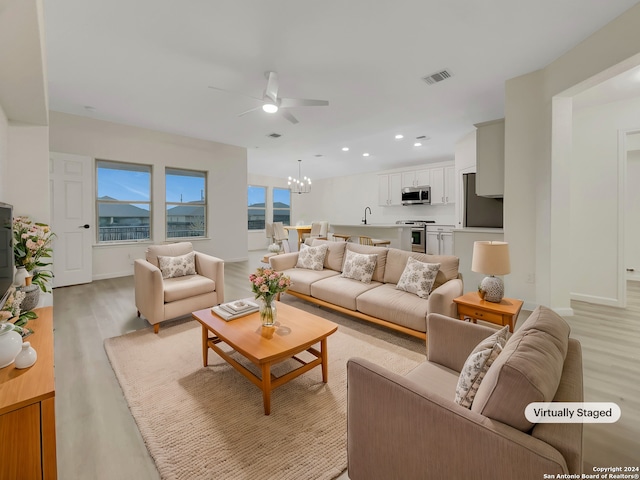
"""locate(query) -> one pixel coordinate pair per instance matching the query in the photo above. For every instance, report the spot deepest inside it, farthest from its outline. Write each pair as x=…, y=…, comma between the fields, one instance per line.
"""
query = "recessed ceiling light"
x=345, y=149
x=399, y=137
x=365, y=154
x=417, y=144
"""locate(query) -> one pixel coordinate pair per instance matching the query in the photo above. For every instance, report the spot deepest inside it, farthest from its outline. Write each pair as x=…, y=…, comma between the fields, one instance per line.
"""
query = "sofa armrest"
x=441, y=299
x=450, y=341
x=398, y=429
x=283, y=261
x=149, y=291
x=213, y=268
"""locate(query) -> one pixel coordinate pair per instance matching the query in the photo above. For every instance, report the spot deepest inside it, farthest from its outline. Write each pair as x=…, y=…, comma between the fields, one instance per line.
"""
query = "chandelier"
x=299, y=185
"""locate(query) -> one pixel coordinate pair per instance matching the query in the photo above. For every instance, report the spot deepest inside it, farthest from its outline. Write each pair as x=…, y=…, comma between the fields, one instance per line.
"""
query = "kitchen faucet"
x=365, y=214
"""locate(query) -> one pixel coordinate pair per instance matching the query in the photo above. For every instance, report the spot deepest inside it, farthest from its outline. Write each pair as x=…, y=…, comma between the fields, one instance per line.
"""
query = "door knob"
x=86, y=225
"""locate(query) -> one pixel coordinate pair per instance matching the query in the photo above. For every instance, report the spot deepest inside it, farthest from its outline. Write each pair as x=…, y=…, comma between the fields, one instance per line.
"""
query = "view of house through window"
x=123, y=202
x=186, y=203
x=282, y=205
x=257, y=200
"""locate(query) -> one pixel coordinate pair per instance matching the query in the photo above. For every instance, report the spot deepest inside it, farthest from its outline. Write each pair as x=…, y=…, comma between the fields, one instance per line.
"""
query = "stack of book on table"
x=237, y=308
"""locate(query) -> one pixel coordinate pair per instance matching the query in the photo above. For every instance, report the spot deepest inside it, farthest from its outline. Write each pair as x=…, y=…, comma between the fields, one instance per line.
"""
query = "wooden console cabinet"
x=27, y=410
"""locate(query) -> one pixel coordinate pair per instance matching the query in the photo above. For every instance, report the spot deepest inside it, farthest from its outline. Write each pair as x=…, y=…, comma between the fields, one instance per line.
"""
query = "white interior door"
x=72, y=218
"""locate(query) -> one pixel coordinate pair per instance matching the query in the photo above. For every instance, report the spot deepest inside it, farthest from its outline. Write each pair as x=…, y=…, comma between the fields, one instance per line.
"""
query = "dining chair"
x=364, y=240
x=281, y=236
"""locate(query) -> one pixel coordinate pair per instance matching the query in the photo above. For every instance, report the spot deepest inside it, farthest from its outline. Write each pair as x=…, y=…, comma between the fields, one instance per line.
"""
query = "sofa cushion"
x=301, y=278
x=334, y=258
x=177, y=266
x=397, y=260
x=169, y=250
x=359, y=266
x=312, y=258
x=528, y=370
x=418, y=277
x=381, y=252
x=477, y=365
x=341, y=291
x=438, y=379
x=393, y=305
x=178, y=288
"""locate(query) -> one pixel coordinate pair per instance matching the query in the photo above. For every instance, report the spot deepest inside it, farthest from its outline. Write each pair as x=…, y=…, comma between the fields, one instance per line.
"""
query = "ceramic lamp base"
x=493, y=288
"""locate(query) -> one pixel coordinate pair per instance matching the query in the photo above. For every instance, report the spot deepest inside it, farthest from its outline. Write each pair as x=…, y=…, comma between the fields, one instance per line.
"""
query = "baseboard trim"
x=106, y=276
x=607, y=301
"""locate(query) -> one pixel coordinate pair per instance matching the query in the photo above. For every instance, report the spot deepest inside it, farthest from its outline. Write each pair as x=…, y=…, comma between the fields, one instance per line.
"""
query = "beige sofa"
x=379, y=301
x=159, y=299
x=409, y=427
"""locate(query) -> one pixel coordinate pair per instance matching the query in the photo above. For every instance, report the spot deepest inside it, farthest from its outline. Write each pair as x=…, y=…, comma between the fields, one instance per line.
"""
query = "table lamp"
x=491, y=258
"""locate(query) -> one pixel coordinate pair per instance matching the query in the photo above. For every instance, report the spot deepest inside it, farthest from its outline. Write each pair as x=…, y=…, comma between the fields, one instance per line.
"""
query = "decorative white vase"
x=19, y=279
x=27, y=356
x=10, y=344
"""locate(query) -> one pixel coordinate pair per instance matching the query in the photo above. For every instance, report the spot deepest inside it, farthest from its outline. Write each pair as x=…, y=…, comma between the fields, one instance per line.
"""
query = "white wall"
x=595, y=223
x=536, y=187
x=4, y=154
x=227, y=182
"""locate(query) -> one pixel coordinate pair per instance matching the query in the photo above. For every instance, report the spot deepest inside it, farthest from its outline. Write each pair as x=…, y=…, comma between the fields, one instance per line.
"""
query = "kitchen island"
x=399, y=235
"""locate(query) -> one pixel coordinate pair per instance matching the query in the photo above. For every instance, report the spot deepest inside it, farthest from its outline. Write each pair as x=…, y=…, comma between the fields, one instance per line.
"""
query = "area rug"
x=209, y=422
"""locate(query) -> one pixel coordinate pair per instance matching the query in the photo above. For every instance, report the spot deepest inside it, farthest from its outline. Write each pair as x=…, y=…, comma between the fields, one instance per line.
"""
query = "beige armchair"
x=159, y=299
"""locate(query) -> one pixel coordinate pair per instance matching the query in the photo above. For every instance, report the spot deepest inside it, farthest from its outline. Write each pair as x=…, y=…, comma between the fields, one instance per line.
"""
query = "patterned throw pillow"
x=359, y=266
x=418, y=277
x=312, y=258
x=477, y=365
x=178, y=266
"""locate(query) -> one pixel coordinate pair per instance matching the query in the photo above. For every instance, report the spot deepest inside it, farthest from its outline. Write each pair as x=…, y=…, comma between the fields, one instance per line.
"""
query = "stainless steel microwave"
x=416, y=195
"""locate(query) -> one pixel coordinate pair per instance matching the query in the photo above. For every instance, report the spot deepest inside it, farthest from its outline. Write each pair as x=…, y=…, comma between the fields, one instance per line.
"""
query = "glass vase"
x=268, y=312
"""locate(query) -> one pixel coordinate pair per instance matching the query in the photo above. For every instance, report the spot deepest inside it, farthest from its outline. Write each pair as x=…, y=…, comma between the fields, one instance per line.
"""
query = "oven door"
x=419, y=240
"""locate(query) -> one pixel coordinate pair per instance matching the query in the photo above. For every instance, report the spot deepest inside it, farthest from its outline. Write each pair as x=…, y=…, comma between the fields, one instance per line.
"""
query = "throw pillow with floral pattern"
x=418, y=277
x=178, y=266
x=312, y=258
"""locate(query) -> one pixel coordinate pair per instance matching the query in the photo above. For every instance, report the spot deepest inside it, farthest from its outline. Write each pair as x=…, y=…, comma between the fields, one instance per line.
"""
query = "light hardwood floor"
x=97, y=437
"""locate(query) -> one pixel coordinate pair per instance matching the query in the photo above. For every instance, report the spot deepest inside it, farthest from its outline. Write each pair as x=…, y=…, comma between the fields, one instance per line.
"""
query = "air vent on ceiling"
x=318, y=155
x=437, y=77
x=274, y=135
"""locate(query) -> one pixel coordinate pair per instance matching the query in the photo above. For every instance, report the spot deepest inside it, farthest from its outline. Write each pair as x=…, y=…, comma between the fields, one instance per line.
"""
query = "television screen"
x=6, y=251
x=480, y=211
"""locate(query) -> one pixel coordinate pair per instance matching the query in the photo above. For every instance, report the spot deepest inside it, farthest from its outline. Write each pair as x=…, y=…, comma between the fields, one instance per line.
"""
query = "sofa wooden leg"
x=156, y=328
x=138, y=313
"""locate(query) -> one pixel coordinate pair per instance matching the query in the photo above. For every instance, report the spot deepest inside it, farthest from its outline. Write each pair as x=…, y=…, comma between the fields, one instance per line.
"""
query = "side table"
x=503, y=313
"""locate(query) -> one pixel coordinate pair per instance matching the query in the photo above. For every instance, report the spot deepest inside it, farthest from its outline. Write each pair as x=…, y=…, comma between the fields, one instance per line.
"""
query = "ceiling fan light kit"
x=271, y=103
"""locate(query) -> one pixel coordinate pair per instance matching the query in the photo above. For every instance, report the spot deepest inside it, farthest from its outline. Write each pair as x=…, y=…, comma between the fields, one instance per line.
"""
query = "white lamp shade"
x=491, y=258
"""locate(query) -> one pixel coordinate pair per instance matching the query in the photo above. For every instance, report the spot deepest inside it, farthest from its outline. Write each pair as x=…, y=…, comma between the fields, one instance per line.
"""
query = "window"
x=123, y=203
x=256, y=201
x=282, y=205
x=186, y=203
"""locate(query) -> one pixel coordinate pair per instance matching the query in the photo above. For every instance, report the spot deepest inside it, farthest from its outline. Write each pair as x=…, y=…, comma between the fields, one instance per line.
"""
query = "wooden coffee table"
x=296, y=331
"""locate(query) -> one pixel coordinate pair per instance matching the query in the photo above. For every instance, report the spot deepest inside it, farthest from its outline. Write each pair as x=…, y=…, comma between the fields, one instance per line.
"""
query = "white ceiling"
x=149, y=63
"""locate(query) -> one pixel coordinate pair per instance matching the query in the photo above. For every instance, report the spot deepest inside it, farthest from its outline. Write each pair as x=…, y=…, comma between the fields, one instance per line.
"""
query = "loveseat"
x=187, y=281
x=412, y=427
x=379, y=300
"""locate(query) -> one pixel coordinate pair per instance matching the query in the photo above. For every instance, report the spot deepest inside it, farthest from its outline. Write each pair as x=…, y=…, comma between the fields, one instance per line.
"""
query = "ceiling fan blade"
x=272, y=86
x=289, y=117
x=234, y=93
x=249, y=111
x=302, y=102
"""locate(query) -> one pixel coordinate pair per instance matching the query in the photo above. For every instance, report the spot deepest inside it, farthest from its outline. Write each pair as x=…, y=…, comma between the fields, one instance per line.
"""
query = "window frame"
x=264, y=208
x=167, y=203
x=132, y=166
x=273, y=203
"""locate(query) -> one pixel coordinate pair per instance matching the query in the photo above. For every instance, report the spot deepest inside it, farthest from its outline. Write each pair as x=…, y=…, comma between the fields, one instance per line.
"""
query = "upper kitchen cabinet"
x=443, y=185
x=389, y=189
x=416, y=178
x=490, y=158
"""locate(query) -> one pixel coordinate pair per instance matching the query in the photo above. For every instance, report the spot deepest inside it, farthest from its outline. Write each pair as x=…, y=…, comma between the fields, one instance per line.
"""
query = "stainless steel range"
x=418, y=234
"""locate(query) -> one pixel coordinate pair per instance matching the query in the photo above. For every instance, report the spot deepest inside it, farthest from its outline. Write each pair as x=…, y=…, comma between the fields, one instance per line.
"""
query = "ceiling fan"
x=271, y=103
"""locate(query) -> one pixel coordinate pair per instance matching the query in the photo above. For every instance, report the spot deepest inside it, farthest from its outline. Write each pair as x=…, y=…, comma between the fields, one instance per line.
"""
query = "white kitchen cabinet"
x=490, y=158
x=389, y=189
x=443, y=185
x=416, y=178
x=440, y=239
